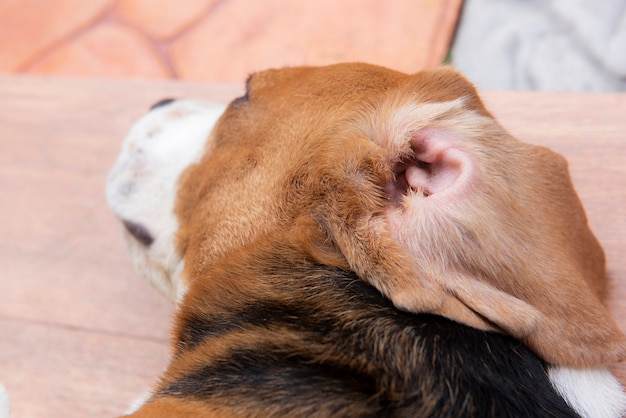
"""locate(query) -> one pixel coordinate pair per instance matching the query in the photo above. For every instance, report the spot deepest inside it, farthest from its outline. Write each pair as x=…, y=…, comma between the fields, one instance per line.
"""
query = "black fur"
x=351, y=353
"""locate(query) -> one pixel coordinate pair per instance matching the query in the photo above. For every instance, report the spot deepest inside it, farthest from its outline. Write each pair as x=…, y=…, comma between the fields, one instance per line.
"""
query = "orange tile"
x=219, y=40
x=241, y=36
x=27, y=27
x=162, y=19
x=109, y=50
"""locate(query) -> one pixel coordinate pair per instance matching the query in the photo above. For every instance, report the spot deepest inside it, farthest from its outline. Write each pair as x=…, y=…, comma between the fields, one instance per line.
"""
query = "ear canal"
x=438, y=165
x=431, y=178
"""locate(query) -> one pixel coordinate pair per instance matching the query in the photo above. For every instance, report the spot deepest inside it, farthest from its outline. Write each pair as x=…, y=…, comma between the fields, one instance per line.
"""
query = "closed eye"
x=139, y=232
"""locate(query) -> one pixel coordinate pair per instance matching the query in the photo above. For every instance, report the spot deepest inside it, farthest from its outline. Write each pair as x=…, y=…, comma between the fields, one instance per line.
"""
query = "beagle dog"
x=354, y=241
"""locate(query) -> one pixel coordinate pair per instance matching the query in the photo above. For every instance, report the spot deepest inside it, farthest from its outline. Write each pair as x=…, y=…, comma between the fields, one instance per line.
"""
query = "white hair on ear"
x=593, y=393
x=391, y=123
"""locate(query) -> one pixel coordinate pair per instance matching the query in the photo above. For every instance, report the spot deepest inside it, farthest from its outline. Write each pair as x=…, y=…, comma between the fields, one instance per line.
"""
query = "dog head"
x=405, y=179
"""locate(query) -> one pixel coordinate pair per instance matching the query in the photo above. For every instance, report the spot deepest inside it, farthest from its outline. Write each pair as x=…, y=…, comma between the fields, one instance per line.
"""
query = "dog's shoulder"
x=336, y=347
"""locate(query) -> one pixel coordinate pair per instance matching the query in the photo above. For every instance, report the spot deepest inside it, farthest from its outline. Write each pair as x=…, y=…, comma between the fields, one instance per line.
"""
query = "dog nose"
x=139, y=232
x=163, y=102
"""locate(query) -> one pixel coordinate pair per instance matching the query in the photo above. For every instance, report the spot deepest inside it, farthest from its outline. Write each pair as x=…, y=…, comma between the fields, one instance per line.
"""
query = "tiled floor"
x=218, y=40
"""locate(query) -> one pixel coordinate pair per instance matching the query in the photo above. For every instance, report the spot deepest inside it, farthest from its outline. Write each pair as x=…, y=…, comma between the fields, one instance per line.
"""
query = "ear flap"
x=476, y=226
x=562, y=328
x=576, y=330
x=565, y=275
x=506, y=312
x=494, y=226
x=502, y=233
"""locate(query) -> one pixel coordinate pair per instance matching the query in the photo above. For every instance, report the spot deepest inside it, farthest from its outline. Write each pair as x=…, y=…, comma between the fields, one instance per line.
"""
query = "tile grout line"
x=193, y=22
x=156, y=45
x=162, y=46
x=77, y=328
x=47, y=50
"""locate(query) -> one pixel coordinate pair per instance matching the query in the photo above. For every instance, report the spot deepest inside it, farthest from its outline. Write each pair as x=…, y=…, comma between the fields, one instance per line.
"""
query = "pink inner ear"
x=439, y=167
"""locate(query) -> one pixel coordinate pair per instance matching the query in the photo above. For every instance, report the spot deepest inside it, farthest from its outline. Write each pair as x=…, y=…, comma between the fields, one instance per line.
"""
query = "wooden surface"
x=80, y=333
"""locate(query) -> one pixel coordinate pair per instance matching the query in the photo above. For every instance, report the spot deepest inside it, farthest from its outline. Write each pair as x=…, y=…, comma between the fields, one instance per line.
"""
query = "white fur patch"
x=593, y=393
x=138, y=403
x=141, y=186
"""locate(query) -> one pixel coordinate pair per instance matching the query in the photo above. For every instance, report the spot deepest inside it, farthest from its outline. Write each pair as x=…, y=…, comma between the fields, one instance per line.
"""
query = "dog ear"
x=496, y=226
x=470, y=223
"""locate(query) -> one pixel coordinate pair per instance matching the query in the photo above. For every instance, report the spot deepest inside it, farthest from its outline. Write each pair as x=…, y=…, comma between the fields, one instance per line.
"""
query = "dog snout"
x=139, y=232
x=162, y=102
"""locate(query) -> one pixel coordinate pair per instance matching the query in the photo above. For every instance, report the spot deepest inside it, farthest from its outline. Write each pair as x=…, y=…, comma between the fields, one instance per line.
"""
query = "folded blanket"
x=577, y=45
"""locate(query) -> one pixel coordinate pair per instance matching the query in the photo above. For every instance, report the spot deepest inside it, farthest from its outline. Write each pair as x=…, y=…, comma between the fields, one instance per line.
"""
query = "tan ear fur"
x=566, y=274
x=510, y=314
x=513, y=250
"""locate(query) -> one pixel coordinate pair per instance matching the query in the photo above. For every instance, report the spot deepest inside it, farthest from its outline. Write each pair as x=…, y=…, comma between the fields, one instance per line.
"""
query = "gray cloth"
x=558, y=45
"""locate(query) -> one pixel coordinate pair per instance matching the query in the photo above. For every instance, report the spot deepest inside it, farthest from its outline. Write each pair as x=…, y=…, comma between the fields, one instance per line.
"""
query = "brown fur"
x=181, y=408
